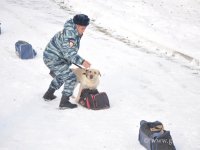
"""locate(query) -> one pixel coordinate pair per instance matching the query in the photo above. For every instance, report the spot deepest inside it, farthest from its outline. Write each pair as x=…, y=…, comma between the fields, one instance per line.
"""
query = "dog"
x=88, y=79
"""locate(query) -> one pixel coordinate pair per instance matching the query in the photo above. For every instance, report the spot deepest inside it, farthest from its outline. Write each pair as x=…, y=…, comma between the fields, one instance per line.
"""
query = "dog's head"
x=92, y=74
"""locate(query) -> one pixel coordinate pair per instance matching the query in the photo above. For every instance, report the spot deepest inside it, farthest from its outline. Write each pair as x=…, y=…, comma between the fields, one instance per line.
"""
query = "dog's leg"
x=79, y=93
x=74, y=97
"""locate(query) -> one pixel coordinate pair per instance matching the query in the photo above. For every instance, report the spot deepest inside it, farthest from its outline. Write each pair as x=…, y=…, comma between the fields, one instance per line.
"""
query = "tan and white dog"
x=88, y=79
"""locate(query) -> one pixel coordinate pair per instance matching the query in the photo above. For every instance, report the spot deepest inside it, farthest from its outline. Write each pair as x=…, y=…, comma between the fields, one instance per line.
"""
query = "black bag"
x=153, y=136
x=24, y=50
x=92, y=99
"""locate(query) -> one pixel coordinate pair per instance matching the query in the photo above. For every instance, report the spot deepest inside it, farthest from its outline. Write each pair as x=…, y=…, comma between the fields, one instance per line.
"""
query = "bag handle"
x=157, y=128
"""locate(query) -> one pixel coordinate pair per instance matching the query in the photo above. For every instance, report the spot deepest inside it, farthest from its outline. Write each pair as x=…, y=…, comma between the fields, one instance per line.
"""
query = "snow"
x=141, y=82
x=162, y=25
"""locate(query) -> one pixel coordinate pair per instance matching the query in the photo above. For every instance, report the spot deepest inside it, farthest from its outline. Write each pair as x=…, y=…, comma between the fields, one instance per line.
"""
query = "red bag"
x=92, y=99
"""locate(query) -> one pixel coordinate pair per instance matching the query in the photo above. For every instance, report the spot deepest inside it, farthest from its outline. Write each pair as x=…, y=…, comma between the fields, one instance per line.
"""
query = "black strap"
x=77, y=65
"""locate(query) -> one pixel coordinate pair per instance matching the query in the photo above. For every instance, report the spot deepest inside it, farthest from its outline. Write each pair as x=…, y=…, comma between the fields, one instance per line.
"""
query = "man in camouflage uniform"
x=60, y=53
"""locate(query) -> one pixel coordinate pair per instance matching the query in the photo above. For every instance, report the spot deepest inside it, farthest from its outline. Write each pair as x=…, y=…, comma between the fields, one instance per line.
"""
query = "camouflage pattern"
x=60, y=53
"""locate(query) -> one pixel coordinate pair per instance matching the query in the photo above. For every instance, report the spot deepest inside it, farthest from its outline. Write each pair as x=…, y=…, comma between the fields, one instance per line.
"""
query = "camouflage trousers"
x=63, y=75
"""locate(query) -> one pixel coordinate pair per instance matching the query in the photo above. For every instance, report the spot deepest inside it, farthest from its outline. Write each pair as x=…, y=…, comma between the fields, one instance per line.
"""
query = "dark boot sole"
x=63, y=108
x=49, y=99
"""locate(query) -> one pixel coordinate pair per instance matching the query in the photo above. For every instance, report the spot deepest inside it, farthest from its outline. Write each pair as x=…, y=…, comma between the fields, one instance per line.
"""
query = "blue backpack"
x=24, y=50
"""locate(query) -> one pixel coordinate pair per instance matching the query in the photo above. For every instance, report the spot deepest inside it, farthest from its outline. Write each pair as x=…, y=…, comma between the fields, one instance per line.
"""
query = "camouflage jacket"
x=64, y=46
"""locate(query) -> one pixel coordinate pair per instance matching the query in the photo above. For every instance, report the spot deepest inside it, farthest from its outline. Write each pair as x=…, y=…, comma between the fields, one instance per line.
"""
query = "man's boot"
x=65, y=103
x=49, y=95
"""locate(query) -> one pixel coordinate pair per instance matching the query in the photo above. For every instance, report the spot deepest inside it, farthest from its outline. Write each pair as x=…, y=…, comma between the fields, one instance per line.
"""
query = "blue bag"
x=24, y=50
x=153, y=136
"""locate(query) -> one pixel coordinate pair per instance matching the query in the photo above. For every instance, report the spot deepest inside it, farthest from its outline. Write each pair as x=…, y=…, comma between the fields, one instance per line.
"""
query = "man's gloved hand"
x=86, y=64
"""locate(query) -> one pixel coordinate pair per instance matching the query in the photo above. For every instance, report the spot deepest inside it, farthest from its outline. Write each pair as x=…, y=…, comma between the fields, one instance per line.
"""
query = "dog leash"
x=78, y=66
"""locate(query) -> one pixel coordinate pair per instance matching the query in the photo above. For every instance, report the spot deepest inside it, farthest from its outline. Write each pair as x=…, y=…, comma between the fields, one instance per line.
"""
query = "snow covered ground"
x=140, y=84
x=161, y=26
